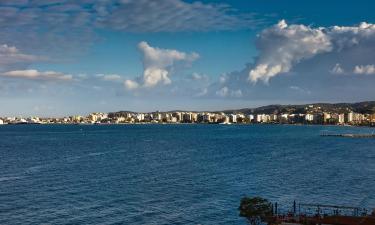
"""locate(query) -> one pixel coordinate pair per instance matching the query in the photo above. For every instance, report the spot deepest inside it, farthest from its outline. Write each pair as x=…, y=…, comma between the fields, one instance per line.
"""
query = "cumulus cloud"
x=38, y=75
x=199, y=77
x=158, y=64
x=226, y=92
x=367, y=69
x=131, y=85
x=202, y=92
x=282, y=46
x=337, y=69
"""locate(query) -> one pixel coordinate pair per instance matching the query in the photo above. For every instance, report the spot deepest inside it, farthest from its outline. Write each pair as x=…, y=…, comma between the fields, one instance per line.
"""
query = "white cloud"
x=199, y=77
x=110, y=77
x=223, y=92
x=300, y=90
x=236, y=93
x=203, y=92
x=337, y=69
x=158, y=65
x=37, y=75
x=131, y=85
x=10, y=55
x=282, y=45
x=223, y=78
x=226, y=92
x=367, y=69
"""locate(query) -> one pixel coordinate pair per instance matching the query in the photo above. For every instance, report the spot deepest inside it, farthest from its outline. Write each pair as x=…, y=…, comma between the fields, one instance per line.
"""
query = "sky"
x=65, y=57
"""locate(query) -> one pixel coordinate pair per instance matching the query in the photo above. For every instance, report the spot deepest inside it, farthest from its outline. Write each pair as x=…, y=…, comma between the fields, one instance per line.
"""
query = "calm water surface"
x=175, y=174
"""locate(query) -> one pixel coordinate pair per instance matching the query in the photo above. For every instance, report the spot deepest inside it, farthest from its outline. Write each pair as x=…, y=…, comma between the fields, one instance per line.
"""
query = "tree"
x=256, y=210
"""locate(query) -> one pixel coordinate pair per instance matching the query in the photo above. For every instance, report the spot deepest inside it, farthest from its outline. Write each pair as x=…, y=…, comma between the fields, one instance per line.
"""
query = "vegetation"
x=256, y=210
x=360, y=107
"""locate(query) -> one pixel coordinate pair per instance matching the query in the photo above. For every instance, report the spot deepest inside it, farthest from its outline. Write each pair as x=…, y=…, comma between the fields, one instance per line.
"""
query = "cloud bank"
x=66, y=27
x=11, y=56
x=38, y=75
x=283, y=46
x=171, y=16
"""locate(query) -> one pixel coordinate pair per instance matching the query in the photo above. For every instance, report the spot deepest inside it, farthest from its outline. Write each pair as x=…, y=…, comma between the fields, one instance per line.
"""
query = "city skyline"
x=65, y=58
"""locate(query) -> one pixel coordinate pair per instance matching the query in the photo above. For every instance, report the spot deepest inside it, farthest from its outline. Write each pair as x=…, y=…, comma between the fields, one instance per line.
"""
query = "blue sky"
x=65, y=57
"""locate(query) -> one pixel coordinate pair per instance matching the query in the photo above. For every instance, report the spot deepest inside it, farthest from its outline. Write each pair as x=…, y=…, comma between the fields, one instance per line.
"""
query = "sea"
x=176, y=174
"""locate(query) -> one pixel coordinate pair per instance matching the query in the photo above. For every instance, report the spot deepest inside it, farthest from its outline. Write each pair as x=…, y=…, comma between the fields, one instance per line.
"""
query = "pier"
x=258, y=210
x=347, y=135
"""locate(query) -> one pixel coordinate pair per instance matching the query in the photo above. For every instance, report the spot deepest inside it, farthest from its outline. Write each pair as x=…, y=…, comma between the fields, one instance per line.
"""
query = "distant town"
x=361, y=114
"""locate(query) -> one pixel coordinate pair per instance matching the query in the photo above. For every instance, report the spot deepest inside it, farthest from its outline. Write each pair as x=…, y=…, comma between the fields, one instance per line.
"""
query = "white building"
x=140, y=117
x=309, y=117
x=341, y=118
x=233, y=118
x=327, y=116
x=350, y=117
x=263, y=118
x=206, y=117
x=1, y=122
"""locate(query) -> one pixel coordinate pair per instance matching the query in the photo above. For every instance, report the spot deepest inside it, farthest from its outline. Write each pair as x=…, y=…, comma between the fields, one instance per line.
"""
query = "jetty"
x=347, y=135
x=311, y=214
x=258, y=210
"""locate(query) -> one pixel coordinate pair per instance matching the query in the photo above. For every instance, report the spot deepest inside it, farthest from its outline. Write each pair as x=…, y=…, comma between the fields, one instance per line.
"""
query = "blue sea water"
x=175, y=174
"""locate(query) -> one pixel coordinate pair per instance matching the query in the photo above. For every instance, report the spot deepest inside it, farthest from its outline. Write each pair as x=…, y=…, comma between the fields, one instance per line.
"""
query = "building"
x=140, y=117
x=326, y=117
x=187, y=118
x=341, y=118
x=309, y=117
x=263, y=118
x=233, y=118
x=372, y=118
x=349, y=117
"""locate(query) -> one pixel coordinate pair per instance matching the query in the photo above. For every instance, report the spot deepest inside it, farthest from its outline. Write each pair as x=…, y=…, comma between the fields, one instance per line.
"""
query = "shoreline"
x=223, y=124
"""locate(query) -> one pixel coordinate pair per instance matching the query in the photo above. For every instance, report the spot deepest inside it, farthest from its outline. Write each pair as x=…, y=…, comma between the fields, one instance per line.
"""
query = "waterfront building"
x=194, y=117
x=178, y=116
x=372, y=118
x=120, y=119
x=226, y=119
x=1, y=122
x=273, y=117
x=259, y=118
x=206, y=118
x=318, y=118
x=140, y=117
x=233, y=118
x=341, y=118
x=187, y=118
x=309, y=117
x=327, y=117
x=93, y=117
x=349, y=117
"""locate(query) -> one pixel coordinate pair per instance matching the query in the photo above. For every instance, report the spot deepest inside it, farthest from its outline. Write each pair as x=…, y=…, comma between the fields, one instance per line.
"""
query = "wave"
x=11, y=178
